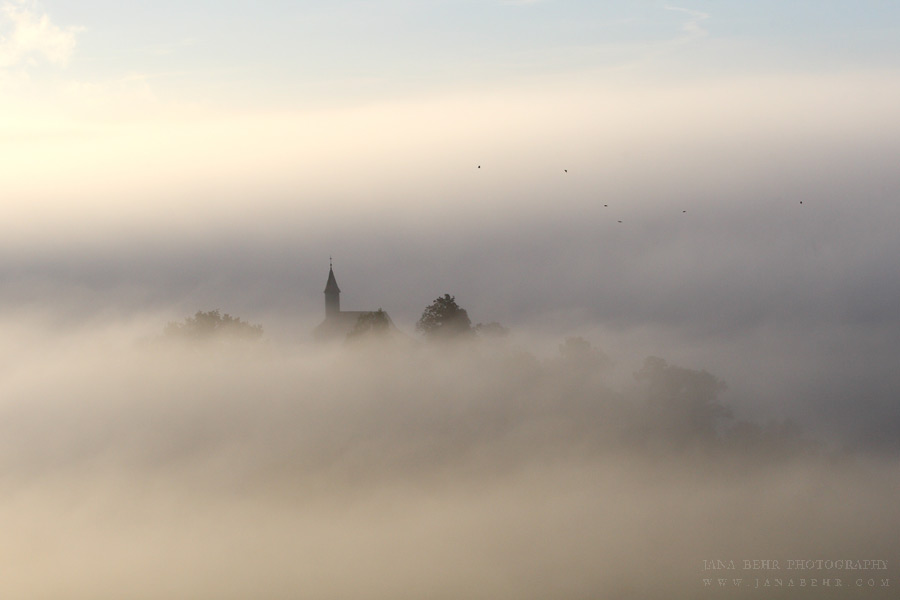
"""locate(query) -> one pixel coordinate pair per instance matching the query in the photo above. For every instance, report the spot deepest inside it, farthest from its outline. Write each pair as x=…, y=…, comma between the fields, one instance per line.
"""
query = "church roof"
x=332, y=285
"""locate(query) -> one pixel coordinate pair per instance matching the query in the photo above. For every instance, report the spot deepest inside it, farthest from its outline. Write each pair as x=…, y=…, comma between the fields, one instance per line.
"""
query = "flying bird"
x=620, y=221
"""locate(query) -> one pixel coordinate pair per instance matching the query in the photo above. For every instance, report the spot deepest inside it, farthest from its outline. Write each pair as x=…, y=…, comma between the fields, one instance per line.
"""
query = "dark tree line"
x=444, y=319
x=375, y=323
x=212, y=325
x=670, y=407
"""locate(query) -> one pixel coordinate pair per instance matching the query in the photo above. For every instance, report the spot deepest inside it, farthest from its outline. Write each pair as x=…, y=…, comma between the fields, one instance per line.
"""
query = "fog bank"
x=498, y=469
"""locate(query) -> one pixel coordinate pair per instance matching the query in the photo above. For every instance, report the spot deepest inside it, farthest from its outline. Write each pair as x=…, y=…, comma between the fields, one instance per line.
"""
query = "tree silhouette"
x=578, y=354
x=370, y=324
x=212, y=325
x=444, y=319
x=686, y=401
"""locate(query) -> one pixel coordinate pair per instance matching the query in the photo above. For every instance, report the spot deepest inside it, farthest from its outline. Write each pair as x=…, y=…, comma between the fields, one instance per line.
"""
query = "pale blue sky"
x=183, y=104
x=275, y=53
x=235, y=95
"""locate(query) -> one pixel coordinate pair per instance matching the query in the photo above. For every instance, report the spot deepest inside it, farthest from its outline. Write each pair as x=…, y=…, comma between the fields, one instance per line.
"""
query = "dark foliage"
x=685, y=401
x=444, y=319
x=373, y=324
x=212, y=325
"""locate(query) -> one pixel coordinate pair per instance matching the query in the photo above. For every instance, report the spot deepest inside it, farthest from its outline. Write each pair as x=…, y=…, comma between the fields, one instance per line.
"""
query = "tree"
x=579, y=355
x=211, y=325
x=370, y=324
x=444, y=319
x=685, y=400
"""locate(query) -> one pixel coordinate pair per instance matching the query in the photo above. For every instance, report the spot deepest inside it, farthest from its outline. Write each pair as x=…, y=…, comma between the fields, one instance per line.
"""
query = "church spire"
x=332, y=293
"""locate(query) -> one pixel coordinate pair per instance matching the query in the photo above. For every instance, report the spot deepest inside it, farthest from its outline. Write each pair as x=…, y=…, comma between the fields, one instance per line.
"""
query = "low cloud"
x=500, y=469
x=26, y=33
x=692, y=27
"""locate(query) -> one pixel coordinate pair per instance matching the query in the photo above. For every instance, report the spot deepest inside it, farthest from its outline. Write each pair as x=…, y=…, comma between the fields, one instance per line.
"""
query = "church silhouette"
x=338, y=323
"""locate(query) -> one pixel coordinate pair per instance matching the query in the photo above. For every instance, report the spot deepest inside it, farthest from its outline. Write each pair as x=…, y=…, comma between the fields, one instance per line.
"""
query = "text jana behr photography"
x=799, y=573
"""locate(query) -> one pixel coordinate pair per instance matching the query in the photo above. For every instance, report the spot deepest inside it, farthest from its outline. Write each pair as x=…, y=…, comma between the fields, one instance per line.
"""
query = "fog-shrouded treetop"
x=491, y=330
x=444, y=319
x=370, y=324
x=212, y=325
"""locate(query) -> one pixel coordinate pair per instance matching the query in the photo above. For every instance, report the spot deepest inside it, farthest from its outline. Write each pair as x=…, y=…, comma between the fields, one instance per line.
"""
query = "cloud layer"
x=398, y=470
x=27, y=33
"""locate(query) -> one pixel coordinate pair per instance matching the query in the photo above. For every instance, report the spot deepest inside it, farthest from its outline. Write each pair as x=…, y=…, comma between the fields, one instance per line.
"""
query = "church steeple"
x=332, y=294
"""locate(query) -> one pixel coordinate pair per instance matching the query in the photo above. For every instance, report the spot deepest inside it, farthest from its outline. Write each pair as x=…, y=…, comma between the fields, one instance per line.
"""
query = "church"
x=338, y=323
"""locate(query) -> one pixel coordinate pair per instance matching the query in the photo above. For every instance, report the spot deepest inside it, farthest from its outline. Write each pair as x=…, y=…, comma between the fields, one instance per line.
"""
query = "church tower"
x=339, y=323
x=332, y=295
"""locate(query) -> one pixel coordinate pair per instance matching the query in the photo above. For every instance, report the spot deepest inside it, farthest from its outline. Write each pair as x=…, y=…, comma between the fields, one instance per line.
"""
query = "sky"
x=713, y=183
